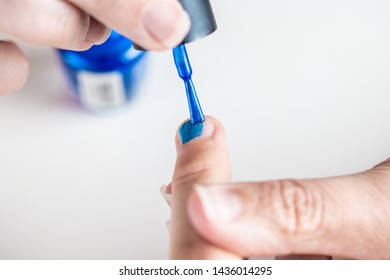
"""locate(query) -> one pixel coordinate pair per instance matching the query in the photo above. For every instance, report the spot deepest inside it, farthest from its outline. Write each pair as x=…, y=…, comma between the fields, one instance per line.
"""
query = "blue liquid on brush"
x=185, y=72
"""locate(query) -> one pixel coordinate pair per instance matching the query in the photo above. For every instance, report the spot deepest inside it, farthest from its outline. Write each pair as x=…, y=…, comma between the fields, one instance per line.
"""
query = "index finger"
x=152, y=24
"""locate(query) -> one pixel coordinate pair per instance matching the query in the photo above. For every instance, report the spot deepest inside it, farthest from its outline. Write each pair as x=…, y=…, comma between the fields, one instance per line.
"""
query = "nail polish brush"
x=185, y=71
x=202, y=24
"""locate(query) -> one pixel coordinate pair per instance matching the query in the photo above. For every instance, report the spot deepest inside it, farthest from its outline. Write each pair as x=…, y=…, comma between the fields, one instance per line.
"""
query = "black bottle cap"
x=202, y=20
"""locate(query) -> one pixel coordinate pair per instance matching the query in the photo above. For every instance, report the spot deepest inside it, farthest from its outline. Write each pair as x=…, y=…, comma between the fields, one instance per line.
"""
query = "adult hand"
x=344, y=216
x=79, y=24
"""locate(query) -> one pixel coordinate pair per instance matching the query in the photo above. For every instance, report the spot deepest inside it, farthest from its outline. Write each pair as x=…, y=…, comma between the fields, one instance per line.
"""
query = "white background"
x=302, y=88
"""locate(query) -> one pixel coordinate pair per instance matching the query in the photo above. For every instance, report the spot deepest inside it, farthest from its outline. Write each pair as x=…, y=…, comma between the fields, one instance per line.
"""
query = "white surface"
x=302, y=88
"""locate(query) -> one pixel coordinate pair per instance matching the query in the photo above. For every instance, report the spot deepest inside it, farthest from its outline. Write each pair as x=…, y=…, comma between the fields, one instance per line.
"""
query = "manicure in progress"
x=190, y=131
x=203, y=24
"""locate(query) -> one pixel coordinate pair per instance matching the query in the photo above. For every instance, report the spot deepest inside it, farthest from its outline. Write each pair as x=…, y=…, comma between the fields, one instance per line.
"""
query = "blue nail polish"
x=105, y=76
x=185, y=72
x=189, y=131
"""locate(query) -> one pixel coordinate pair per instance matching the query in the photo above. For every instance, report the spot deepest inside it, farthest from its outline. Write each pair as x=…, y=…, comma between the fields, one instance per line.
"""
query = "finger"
x=344, y=216
x=13, y=68
x=201, y=159
x=54, y=23
x=153, y=24
x=166, y=192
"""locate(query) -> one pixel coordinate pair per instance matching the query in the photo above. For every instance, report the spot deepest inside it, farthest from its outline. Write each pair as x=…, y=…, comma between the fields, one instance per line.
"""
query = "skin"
x=344, y=216
x=79, y=24
x=193, y=167
x=13, y=67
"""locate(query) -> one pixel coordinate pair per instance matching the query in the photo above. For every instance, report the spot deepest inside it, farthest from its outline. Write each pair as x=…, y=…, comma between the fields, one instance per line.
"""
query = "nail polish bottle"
x=105, y=76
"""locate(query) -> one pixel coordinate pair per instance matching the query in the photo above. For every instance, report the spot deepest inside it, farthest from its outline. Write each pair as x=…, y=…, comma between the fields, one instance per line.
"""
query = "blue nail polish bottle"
x=104, y=76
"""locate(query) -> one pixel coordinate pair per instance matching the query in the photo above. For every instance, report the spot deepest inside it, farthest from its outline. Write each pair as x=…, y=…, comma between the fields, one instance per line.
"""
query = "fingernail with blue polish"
x=190, y=131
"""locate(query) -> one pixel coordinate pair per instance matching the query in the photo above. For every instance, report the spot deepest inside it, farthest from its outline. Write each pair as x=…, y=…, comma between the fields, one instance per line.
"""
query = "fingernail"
x=219, y=204
x=167, y=196
x=168, y=226
x=97, y=33
x=104, y=38
x=188, y=131
x=167, y=23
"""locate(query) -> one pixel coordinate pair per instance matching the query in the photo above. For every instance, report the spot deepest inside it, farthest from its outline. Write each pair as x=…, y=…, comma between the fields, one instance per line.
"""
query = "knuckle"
x=297, y=208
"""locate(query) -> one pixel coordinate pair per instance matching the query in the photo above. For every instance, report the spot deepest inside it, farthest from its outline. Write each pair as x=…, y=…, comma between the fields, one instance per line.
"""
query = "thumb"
x=342, y=216
x=202, y=158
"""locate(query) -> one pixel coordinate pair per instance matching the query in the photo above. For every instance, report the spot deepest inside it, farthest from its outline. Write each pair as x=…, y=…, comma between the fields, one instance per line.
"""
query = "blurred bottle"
x=104, y=76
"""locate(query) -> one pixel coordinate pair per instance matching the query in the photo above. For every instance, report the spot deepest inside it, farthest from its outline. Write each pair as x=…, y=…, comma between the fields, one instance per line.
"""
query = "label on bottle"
x=101, y=90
